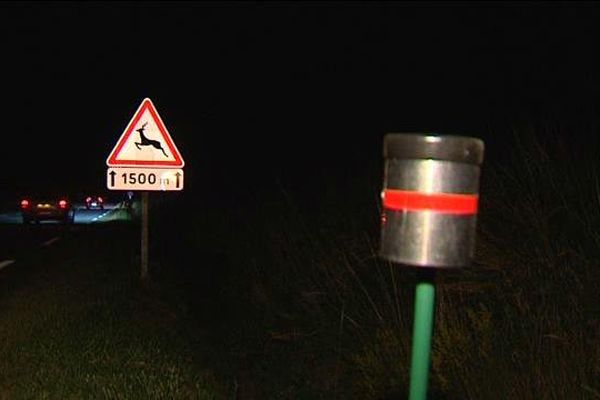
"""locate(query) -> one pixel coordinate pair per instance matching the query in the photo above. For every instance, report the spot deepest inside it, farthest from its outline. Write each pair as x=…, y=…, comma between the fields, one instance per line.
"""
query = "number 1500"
x=141, y=178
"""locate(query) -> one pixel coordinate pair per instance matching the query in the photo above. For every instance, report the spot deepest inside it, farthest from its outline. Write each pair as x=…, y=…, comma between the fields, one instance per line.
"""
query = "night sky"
x=260, y=92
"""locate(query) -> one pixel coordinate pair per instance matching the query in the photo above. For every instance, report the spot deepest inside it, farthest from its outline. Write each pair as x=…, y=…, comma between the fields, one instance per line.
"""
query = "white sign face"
x=145, y=142
x=158, y=179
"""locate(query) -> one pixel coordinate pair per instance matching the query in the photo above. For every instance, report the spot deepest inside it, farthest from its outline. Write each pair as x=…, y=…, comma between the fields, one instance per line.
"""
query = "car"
x=46, y=208
x=96, y=202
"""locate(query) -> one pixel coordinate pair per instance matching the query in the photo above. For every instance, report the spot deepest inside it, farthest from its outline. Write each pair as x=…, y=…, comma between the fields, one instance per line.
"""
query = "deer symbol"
x=148, y=142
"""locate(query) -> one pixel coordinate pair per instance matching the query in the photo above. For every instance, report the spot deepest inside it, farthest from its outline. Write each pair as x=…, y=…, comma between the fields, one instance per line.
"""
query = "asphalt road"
x=18, y=239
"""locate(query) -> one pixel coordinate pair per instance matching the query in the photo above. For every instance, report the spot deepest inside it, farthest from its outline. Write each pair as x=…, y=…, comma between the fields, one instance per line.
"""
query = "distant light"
x=433, y=139
x=24, y=203
x=62, y=203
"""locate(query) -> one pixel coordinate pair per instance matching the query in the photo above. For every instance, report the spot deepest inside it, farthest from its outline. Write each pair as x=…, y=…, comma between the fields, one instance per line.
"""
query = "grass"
x=316, y=314
x=81, y=327
x=277, y=299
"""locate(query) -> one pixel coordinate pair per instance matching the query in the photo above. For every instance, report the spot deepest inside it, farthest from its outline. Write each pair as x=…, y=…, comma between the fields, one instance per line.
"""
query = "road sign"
x=155, y=179
x=145, y=142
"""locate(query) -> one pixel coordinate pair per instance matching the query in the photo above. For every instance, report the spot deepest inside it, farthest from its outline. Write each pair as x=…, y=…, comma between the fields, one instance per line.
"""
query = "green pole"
x=422, y=332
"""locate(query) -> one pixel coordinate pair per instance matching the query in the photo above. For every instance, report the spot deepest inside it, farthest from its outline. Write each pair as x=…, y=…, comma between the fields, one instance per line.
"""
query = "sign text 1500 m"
x=159, y=179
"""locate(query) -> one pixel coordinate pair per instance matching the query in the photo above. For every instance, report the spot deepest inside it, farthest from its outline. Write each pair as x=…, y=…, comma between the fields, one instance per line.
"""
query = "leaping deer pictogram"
x=148, y=142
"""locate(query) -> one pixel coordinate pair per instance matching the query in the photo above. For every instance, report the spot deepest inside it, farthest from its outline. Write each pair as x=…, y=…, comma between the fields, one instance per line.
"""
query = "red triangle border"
x=112, y=160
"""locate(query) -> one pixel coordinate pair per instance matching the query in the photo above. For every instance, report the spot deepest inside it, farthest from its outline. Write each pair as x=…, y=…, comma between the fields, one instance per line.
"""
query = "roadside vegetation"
x=75, y=324
x=308, y=310
x=276, y=299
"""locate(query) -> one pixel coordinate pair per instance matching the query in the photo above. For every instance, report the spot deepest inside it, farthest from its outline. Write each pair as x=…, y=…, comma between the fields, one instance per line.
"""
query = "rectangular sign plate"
x=159, y=179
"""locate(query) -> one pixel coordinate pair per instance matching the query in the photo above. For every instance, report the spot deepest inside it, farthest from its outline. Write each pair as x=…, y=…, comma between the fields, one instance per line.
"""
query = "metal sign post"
x=430, y=197
x=144, y=248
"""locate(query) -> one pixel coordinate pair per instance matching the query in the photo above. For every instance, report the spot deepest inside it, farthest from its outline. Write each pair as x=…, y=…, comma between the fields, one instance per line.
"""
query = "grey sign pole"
x=144, y=250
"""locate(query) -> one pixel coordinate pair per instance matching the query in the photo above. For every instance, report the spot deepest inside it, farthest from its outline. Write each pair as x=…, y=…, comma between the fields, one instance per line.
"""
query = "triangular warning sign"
x=145, y=142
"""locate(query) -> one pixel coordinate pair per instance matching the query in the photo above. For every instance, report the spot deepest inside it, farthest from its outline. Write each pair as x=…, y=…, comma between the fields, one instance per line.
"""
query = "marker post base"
x=422, y=333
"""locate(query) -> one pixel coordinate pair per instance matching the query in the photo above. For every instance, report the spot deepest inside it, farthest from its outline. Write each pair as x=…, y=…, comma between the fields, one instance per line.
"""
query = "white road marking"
x=6, y=263
x=49, y=242
x=100, y=216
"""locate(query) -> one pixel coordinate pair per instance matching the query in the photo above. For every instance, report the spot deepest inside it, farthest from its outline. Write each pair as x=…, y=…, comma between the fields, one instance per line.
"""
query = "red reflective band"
x=446, y=203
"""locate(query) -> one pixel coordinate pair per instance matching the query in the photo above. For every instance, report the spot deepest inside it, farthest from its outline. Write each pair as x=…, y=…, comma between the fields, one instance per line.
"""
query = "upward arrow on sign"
x=145, y=142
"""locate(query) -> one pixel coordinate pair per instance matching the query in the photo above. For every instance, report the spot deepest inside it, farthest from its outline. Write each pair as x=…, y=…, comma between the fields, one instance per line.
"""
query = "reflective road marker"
x=49, y=242
x=5, y=263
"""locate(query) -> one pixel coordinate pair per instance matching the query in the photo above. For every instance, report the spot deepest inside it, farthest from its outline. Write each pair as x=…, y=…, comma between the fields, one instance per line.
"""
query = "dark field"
x=281, y=296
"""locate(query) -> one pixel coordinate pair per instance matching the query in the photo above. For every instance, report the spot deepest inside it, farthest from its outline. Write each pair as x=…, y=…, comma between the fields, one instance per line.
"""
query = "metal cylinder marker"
x=430, y=197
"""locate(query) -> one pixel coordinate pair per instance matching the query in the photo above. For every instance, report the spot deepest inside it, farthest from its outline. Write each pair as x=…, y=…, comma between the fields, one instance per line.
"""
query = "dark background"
x=296, y=93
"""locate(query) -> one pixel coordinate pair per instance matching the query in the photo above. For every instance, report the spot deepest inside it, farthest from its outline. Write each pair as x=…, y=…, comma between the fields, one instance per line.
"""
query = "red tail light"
x=24, y=203
x=100, y=200
x=62, y=204
x=88, y=199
